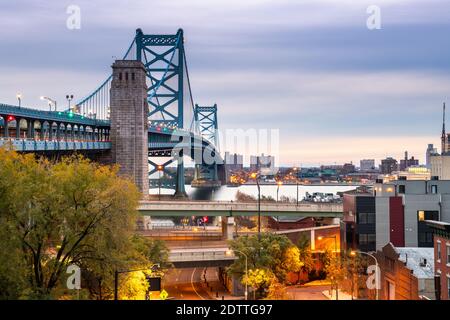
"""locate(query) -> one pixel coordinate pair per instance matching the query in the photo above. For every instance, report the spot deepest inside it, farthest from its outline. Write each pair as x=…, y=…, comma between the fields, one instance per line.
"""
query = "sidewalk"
x=341, y=295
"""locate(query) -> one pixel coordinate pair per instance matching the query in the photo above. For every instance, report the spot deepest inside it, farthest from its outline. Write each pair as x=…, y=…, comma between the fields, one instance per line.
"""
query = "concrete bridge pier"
x=129, y=126
x=228, y=228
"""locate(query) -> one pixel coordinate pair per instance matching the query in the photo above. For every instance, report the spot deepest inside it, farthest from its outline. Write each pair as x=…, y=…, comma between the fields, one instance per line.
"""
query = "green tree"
x=277, y=291
x=70, y=212
x=276, y=253
x=305, y=255
x=259, y=279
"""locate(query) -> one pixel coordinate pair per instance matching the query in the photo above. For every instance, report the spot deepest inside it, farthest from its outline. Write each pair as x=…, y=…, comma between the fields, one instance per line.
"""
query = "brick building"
x=406, y=273
x=441, y=231
x=288, y=222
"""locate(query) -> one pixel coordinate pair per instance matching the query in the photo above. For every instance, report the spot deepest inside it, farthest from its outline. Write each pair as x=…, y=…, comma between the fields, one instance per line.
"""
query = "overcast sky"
x=337, y=91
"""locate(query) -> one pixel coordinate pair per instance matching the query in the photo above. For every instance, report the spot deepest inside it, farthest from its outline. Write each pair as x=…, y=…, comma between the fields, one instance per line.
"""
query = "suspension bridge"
x=143, y=112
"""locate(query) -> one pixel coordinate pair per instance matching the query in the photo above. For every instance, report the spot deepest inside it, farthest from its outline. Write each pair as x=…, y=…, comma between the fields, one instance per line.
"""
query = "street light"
x=279, y=184
x=19, y=97
x=116, y=277
x=69, y=98
x=229, y=253
x=353, y=254
x=160, y=169
x=335, y=250
x=330, y=237
x=254, y=175
x=296, y=181
x=50, y=102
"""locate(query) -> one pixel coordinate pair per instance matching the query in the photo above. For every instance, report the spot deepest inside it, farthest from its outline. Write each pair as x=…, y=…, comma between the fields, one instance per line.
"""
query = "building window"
x=434, y=189
x=438, y=245
x=421, y=215
x=401, y=189
x=363, y=239
x=448, y=287
x=132, y=76
x=362, y=218
x=126, y=76
x=120, y=76
x=366, y=218
x=448, y=254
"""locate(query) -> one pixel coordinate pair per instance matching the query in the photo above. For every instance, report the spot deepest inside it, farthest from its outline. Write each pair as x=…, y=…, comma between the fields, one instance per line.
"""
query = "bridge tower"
x=129, y=126
x=206, y=175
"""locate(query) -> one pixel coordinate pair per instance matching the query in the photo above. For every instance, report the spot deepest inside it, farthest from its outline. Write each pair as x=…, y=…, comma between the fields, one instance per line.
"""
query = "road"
x=308, y=292
x=186, y=284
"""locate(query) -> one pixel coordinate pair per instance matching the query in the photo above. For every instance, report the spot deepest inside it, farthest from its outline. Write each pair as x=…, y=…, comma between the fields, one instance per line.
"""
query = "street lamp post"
x=254, y=175
x=279, y=184
x=353, y=253
x=335, y=251
x=160, y=168
x=19, y=97
x=69, y=98
x=116, y=277
x=229, y=252
x=50, y=102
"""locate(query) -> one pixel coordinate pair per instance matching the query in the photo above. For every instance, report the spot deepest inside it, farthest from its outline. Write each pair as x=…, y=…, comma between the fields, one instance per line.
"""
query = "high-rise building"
x=262, y=162
x=233, y=162
x=431, y=150
x=405, y=163
x=367, y=164
x=440, y=164
x=388, y=165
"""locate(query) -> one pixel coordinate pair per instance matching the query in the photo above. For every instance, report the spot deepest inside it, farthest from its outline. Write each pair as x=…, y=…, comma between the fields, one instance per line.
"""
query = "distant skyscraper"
x=431, y=150
x=388, y=165
x=367, y=164
x=262, y=162
x=233, y=162
x=405, y=163
x=443, y=135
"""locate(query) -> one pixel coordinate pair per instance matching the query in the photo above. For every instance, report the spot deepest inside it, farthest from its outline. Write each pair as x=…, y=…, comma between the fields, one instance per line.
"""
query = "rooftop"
x=415, y=258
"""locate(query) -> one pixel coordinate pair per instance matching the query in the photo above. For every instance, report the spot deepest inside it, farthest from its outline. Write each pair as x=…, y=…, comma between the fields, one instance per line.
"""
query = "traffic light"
x=154, y=283
x=205, y=219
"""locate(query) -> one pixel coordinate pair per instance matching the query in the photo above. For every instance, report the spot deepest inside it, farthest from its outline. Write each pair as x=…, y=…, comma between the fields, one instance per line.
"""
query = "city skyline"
x=308, y=72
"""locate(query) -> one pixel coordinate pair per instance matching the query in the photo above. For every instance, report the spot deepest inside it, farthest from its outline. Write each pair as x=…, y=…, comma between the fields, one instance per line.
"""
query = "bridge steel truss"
x=205, y=118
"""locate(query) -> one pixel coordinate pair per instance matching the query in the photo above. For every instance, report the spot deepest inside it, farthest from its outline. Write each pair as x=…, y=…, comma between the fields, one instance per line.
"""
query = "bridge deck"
x=225, y=208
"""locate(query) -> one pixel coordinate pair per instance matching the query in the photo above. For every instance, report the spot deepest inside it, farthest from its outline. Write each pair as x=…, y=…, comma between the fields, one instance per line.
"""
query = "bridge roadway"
x=227, y=208
x=201, y=257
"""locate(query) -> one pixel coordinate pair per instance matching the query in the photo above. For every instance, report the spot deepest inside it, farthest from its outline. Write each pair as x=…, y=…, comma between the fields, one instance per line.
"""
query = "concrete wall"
x=382, y=222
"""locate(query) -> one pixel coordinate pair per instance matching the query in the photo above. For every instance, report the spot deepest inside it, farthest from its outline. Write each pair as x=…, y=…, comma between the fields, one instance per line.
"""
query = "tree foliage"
x=70, y=212
x=274, y=253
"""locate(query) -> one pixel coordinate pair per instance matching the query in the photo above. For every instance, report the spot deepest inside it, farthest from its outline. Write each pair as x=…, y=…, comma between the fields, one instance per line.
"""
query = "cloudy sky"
x=336, y=90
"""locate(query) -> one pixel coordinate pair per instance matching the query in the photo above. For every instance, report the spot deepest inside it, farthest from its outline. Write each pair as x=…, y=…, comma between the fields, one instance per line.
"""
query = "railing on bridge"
x=25, y=145
x=200, y=254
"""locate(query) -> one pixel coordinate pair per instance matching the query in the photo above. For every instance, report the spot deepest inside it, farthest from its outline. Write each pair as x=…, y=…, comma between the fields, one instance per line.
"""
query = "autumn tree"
x=55, y=214
x=275, y=254
x=305, y=255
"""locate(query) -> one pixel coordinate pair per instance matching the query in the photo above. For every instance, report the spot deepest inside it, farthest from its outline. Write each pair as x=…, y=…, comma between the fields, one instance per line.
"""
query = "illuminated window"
x=421, y=215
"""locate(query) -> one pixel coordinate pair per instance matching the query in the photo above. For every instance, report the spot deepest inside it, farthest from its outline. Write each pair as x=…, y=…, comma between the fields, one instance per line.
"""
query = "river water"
x=226, y=193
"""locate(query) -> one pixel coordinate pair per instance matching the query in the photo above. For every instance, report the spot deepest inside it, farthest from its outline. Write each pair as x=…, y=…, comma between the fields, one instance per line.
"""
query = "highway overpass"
x=229, y=208
x=201, y=257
